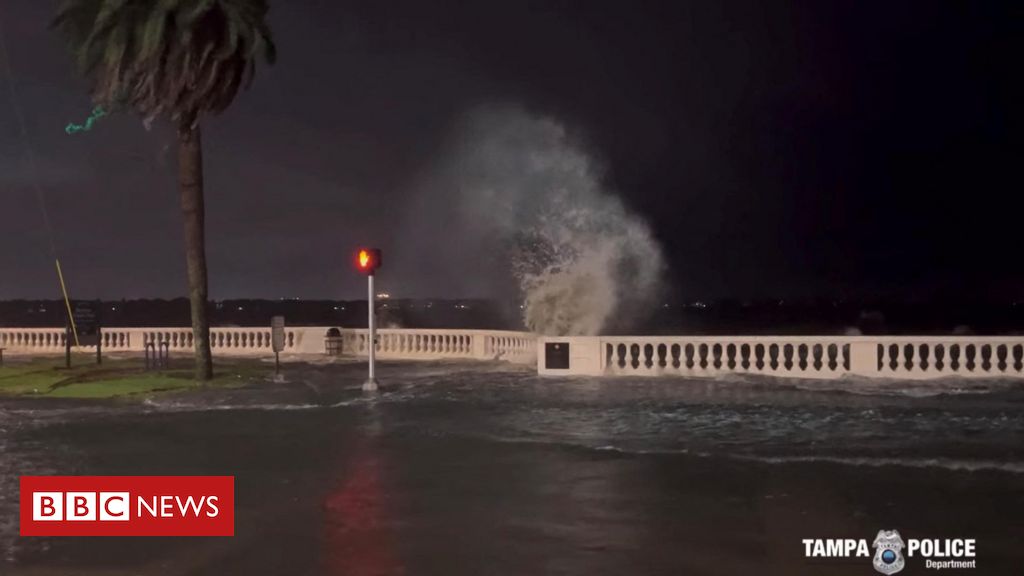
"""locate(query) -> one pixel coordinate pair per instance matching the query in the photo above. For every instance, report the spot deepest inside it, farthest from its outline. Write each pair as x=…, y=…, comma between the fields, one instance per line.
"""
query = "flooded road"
x=473, y=468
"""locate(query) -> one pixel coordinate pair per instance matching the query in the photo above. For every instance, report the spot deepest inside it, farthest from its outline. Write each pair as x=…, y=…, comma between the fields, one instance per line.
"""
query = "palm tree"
x=178, y=60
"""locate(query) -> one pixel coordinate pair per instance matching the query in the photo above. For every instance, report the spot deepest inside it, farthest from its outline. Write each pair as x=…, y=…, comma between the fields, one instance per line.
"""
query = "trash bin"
x=332, y=342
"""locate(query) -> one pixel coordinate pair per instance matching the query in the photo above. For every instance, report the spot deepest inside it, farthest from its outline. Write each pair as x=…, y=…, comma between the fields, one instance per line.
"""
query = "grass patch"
x=120, y=387
x=47, y=377
x=29, y=383
x=37, y=375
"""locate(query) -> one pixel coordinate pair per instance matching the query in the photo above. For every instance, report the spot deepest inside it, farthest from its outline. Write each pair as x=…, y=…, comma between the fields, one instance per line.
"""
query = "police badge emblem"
x=888, y=552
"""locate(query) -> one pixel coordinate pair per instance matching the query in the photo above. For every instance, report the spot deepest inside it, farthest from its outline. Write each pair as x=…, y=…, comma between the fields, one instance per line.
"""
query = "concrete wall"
x=826, y=357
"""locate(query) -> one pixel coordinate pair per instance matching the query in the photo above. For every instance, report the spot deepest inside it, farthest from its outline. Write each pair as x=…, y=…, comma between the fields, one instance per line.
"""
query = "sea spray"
x=578, y=254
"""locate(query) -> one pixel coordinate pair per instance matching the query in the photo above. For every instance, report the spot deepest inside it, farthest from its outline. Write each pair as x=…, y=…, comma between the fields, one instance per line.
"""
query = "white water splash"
x=578, y=254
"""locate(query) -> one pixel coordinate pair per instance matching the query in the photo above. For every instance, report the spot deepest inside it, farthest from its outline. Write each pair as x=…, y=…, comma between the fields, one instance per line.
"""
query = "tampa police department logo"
x=888, y=552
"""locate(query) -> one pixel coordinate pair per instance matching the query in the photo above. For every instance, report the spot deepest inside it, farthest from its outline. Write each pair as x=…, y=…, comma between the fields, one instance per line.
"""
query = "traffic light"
x=367, y=260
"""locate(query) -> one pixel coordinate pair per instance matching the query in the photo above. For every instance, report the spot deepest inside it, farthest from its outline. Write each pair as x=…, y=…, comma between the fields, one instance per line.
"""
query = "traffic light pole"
x=371, y=383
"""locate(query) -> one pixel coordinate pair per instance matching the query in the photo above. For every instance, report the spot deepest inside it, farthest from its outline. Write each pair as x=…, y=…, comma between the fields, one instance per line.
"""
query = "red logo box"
x=127, y=505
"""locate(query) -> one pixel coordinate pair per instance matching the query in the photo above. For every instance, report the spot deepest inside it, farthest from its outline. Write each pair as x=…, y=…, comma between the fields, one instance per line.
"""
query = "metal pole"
x=371, y=383
x=67, y=346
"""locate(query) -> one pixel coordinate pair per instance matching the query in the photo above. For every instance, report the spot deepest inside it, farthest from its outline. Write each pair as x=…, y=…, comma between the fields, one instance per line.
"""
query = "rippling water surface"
x=948, y=425
x=955, y=423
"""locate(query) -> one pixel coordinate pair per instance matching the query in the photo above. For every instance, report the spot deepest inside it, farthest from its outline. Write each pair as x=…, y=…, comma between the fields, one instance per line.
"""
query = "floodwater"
x=476, y=468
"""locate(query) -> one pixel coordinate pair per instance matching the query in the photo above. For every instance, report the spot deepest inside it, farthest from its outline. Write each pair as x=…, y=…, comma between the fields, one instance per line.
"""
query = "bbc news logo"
x=127, y=505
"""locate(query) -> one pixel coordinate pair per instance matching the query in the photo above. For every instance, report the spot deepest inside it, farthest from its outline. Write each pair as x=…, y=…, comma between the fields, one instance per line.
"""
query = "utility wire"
x=30, y=156
x=30, y=159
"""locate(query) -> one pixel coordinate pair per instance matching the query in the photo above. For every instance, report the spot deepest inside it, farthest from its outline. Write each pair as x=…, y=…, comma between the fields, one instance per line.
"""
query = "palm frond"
x=172, y=58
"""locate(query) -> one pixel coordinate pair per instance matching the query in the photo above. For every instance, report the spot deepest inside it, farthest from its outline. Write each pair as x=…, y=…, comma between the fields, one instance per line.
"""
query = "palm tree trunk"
x=190, y=183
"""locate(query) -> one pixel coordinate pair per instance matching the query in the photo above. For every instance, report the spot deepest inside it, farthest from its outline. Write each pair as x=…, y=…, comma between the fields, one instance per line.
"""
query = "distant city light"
x=383, y=295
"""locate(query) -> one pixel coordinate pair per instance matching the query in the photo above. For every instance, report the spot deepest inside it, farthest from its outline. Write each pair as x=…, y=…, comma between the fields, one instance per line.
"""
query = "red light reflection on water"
x=357, y=527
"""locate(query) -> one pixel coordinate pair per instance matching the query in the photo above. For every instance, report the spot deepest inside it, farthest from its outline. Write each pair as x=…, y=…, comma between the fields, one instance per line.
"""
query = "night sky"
x=776, y=149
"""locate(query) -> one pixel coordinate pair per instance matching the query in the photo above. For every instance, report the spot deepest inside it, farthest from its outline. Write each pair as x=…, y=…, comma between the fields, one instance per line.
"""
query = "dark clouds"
x=819, y=148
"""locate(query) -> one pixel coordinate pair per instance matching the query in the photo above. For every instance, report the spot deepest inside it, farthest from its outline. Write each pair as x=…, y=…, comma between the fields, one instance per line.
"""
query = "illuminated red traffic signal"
x=367, y=260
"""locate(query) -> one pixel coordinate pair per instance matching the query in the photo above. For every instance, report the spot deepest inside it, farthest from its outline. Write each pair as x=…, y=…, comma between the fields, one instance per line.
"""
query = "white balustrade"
x=711, y=356
x=826, y=357
x=899, y=357
x=511, y=346
x=414, y=344
x=391, y=343
x=43, y=339
x=964, y=357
